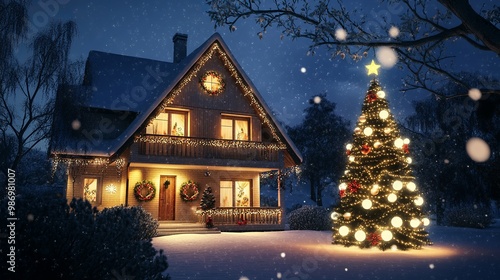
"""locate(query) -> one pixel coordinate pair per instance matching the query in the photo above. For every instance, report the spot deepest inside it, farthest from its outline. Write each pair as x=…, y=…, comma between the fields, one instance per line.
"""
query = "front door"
x=166, y=209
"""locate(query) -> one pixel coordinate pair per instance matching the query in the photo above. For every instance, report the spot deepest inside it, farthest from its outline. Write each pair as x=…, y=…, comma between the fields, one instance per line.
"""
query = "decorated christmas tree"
x=207, y=199
x=380, y=204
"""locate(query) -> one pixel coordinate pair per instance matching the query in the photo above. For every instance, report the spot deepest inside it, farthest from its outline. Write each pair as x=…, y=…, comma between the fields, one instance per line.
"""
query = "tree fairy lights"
x=380, y=204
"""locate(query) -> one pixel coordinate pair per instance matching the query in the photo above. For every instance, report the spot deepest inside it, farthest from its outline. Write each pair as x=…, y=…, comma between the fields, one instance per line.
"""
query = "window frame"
x=170, y=112
x=234, y=192
x=233, y=120
x=98, y=200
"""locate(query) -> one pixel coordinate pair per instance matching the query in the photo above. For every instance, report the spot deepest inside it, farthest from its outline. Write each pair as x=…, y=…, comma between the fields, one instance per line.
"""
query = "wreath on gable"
x=145, y=190
x=189, y=191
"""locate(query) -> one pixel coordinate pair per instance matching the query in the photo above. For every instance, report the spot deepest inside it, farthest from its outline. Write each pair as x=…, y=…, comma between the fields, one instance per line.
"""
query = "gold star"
x=372, y=68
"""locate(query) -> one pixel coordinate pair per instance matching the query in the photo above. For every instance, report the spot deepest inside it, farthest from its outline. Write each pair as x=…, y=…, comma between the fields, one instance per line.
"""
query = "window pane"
x=227, y=129
x=242, y=193
x=241, y=130
x=226, y=193
x=90, y=189
x=178, y=124
x=159, y=125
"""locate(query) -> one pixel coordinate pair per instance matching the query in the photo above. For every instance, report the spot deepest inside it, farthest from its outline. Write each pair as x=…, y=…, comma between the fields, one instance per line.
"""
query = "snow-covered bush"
x=309, y=218
x=57, y=240
x=473, y=216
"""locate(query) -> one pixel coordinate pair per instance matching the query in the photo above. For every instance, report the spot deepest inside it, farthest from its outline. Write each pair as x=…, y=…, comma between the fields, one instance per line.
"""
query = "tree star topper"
x=372, y=68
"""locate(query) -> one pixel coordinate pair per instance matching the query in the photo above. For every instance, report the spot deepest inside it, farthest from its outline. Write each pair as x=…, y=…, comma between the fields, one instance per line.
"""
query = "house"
x=156, y=134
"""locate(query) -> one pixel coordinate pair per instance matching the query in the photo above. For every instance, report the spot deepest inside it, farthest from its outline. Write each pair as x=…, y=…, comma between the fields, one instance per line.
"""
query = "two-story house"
x=156, y=134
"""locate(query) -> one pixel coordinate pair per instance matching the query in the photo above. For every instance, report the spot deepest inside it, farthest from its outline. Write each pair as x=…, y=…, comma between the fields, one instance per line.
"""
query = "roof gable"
x=146, y=87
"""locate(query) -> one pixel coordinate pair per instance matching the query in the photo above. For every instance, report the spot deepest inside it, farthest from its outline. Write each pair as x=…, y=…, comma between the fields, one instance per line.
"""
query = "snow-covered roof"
x=120, y=93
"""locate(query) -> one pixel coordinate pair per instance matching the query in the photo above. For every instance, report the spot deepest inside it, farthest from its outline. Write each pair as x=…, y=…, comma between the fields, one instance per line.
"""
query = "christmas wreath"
x=145, y=190
x=189, y=191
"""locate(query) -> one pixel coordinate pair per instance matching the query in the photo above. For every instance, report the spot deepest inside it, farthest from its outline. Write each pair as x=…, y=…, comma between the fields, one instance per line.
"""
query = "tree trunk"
x=313, y=189
x=319, y=200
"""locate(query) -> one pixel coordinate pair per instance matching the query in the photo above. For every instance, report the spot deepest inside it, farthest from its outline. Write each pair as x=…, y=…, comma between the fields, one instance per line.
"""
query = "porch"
x=243, y=218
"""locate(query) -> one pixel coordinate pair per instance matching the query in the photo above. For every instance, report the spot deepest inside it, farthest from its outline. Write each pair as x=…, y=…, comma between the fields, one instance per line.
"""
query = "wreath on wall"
x=145, y=190
x=209, y=76
x=189, y=191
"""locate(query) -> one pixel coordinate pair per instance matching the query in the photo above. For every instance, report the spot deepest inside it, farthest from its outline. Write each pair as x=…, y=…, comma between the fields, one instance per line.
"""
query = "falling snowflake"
x=340, y=34
x=76, y=125
x=475, y=94
x=303, y=69
x=394, y=32
x=477, y=149
x=317, y=100
x=387, y=57
x=283, y=255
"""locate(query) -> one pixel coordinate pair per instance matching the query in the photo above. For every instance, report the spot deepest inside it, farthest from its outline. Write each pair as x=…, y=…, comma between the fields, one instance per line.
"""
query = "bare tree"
x=426, y=31
x=28, y=86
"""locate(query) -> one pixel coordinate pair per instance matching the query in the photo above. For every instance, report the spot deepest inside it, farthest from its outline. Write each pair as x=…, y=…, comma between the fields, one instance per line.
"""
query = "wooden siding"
x=186, y=211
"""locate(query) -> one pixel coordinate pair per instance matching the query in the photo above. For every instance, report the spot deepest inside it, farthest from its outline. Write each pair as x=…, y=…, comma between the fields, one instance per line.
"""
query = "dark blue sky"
x=145, y=29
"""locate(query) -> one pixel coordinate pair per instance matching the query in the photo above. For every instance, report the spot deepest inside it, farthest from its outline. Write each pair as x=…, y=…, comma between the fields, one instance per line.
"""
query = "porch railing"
x=206, y=148
x=242, y=215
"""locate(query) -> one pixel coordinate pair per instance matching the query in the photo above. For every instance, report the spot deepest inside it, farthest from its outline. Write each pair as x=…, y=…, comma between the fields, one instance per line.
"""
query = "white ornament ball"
x=347, y=215
x=386, y=235
x=342, y=186
x=343, y=230
x=362, y=118
x=368, y=131
x=348, y=147
x=414, y=222
x=406, y=141
x=387, y=130
x=384, y=114
x=392, y=197
x=419, y=201
x=377, y=144
x=396, y=221
x=397, y=185
x=426, y=221
x=411, y=186
x=381, y=94
x=366, y=204
x=352, y=158
x=409, y=160
x=375, y=190
x=357, y=130
x=360, y=235
x=399, y=143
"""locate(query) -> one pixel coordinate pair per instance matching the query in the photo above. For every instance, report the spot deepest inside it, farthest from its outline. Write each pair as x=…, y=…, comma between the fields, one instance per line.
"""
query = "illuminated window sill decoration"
x=380, y=204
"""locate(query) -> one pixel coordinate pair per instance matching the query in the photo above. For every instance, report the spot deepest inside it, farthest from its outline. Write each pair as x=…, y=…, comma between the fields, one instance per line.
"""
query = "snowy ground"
x=457, y=253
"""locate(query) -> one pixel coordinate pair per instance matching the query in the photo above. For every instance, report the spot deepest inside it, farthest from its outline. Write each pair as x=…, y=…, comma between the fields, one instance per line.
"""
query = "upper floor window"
x=235, y=128
x=173, y=123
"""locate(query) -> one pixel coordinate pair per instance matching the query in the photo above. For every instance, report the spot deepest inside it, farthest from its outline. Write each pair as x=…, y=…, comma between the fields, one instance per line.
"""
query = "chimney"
x=180, y=46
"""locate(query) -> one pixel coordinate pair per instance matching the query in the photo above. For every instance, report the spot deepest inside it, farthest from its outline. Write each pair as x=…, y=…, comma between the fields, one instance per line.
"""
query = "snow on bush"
x=472, y=216
x=310, y=218
x=58, y=240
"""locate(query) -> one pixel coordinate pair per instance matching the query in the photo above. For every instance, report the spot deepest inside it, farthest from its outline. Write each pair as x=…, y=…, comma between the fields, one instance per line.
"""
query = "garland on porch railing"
x=208, y=142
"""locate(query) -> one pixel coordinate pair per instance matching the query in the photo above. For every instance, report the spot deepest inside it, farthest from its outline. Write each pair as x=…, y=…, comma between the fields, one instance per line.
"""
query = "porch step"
x=173, y=227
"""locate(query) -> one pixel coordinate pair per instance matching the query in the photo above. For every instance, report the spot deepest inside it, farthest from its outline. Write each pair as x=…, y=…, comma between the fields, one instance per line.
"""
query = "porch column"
x=279, y=188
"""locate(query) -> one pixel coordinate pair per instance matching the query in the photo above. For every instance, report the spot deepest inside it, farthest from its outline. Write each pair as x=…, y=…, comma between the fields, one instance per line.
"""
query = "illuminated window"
x=212, y=82
x=235, y=193
x=233, y=128
x=172, y=123
x=91, y=190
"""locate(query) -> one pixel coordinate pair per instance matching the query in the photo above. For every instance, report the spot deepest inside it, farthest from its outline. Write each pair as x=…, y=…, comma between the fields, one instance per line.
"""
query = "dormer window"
x=173, y=123
x=235, y=128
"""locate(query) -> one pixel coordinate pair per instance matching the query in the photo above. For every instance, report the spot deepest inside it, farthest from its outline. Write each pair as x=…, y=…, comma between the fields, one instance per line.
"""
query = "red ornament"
x=348, y=152
x=366, y=149
x=374, y=238
x=353, y=186
x=406, y=149
x=342, y=193
x=371, y=96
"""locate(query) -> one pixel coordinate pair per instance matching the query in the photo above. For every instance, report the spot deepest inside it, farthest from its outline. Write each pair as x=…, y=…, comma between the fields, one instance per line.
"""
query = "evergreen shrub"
x=310, y=218
x=57, y=240
x=471, y=216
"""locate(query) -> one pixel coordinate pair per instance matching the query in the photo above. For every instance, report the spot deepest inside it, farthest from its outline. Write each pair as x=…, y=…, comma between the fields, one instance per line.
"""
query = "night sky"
x=145, y=29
